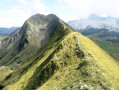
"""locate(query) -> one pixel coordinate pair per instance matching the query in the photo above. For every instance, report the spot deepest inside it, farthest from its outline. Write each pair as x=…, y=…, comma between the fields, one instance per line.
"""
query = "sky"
x=15, y=12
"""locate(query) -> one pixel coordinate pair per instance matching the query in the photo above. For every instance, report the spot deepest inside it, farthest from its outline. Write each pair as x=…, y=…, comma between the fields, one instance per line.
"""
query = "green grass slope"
x=96, y=70
x=4, y=71
x=111, y=48
x=2, y=37
x=67, y=61
x=107, y=40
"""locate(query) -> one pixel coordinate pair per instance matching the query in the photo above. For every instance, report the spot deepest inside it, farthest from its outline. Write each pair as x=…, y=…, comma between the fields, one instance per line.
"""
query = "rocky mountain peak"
x=38, y=29
x=34, y=33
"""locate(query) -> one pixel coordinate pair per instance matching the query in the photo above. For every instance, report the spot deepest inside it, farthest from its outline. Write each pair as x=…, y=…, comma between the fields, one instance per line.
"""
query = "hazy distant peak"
x=97, y=17
x=92, y=16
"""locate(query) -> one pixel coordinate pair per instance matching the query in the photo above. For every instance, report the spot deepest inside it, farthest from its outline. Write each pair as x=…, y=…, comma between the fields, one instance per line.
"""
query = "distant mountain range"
x=7, y=31
x=105, y=28
x=95, y=21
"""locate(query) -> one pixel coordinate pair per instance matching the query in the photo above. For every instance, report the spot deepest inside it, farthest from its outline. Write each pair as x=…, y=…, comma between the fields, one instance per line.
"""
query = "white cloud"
x=37, y=7
x=83, y=8
x=19, y=13
x=23, y=1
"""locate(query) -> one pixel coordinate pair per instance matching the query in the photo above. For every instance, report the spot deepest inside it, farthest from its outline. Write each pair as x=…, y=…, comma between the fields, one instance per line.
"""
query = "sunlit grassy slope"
x=99, y=70
x=2, y=37
x=4, y=71
x=67, y=62
x=110, y=47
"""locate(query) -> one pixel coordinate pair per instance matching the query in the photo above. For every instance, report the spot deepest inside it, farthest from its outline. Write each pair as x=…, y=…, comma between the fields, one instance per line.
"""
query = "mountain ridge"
x=81, y=63
x=67, y=60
